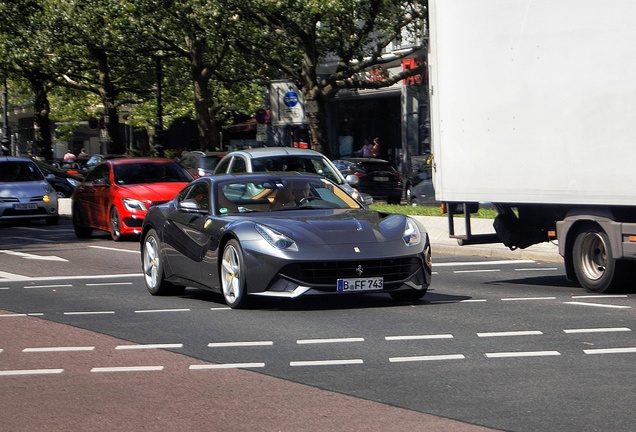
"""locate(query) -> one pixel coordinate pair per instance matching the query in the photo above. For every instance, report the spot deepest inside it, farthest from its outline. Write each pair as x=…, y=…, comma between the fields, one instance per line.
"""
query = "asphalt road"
x=506, y=344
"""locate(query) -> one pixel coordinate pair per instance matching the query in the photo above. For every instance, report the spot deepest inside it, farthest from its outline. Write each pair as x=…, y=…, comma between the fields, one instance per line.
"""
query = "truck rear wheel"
x=594, y=265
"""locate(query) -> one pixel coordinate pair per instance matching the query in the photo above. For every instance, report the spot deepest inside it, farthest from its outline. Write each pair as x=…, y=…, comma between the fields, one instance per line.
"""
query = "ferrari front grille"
x=328, y=272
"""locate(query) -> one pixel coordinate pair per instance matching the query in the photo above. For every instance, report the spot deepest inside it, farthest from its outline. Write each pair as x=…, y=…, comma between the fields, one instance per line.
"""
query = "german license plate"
x=380, y=178
x=31, y=206
x=360, y=284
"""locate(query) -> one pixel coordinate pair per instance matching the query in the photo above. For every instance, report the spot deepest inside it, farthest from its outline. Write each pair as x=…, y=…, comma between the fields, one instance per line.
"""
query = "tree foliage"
x=216, y=57
x=297, y=37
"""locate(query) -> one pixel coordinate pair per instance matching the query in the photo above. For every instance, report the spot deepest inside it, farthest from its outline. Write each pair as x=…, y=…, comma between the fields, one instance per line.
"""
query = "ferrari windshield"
x=280, y=194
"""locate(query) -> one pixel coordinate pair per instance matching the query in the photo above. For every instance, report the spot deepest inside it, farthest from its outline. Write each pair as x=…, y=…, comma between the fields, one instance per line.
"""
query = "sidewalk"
x=437, y=227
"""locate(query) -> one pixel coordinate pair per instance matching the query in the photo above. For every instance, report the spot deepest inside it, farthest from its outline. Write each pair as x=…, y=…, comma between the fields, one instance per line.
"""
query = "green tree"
x=194, y=31
x=26, y=48
x=297, y=37
x=97, y=42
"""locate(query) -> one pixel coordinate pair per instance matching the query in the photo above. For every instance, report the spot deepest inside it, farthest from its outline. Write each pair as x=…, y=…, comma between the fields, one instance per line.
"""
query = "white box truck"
x=533, y=109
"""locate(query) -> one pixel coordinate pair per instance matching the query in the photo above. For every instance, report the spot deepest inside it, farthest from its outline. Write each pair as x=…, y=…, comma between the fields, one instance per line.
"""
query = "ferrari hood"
x=358, y=227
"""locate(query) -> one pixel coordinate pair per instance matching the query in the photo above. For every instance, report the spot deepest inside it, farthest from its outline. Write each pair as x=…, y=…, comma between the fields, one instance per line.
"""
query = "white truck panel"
x=571, y=63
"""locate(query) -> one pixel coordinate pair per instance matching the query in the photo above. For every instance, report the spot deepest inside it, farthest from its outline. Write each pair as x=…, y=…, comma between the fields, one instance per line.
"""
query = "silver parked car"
x=270, y=159
x=25, y=194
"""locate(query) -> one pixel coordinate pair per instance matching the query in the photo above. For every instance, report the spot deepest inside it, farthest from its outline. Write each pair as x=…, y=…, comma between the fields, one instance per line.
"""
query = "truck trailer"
x=533, y=110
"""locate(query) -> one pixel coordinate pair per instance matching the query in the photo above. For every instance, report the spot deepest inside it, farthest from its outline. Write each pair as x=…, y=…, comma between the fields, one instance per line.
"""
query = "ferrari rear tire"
x=115, y=224
x=152, y=266
x=233, y=275
x=407, y=296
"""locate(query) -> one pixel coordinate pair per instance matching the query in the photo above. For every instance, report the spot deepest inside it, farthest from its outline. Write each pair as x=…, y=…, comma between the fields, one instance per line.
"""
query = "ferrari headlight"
x=412, y=234
x=276, y=239
x=134, y=205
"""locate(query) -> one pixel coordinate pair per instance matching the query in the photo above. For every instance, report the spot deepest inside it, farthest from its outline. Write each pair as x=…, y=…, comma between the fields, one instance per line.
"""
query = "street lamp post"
x=6, y=140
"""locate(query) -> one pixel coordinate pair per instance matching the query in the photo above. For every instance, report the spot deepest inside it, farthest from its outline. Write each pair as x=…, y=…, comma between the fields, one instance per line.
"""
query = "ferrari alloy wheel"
x=232, y=277
x=115, y=224
x=153, y=270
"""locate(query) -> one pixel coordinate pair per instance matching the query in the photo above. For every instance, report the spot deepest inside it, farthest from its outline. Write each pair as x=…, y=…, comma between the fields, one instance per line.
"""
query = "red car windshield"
x=136, y=173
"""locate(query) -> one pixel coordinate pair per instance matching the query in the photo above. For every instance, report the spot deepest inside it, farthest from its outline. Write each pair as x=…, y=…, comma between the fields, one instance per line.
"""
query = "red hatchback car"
x=117, y=193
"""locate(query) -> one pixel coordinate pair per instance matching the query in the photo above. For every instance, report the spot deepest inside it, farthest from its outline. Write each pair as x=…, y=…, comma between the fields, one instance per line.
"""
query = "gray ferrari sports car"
x=280, y=235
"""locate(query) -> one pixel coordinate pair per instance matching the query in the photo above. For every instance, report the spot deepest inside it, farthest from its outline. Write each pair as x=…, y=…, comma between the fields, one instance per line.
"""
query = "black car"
x=62, y=181
x=201, y=163
x=421, y=170
x=376, y=177
x=280, y=235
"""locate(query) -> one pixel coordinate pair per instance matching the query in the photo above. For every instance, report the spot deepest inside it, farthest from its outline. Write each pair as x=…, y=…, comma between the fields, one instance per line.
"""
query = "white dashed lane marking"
x=427, y=358
x=522, y=354
x=31, y=372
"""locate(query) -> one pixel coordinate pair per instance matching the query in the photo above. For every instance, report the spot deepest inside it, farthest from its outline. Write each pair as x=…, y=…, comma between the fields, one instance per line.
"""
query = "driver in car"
x=292, y=195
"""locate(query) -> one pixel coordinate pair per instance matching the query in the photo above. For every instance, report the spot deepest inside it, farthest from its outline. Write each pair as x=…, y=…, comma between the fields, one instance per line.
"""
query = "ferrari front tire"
x=152, y=266
x=233, y=275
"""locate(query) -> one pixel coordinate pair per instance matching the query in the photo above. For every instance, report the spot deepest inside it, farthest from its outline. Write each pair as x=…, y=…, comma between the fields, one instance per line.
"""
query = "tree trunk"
x=107, y=92
x=200, y=78
x=317, y=119
x=115, y=145
x=41, y=123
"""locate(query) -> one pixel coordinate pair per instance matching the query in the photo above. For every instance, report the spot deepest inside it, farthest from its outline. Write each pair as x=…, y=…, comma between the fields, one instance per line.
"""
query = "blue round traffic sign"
x=290, y=99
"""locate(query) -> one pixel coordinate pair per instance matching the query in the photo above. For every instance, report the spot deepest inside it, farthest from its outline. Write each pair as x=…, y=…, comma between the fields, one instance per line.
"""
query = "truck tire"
x=594, y=265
